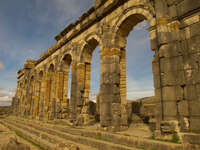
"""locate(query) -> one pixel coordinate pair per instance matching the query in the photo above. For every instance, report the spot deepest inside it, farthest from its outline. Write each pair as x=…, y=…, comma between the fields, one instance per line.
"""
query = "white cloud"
x=139, y=94
x=139, y=88
x=1, y=66
x=6, y=97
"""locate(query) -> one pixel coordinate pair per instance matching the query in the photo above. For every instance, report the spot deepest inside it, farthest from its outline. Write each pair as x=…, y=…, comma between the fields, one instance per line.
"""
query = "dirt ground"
x=6, y=134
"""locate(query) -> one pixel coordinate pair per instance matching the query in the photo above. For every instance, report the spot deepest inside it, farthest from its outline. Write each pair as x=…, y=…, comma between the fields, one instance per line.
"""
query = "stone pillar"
x=81, y=85
x=162, y=37
x=23, y=100
x=59, y=94
x=168, y=70
x=123, y=89
x=36, y=100
x=32, y=97
x=47, y=95
x=53, y=102
x=110, y=101
x=41, y=97
x=65, y=106
x=73, y=99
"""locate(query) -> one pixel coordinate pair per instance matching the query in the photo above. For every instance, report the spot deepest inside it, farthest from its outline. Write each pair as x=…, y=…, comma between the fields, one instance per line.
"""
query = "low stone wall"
x=142, y=111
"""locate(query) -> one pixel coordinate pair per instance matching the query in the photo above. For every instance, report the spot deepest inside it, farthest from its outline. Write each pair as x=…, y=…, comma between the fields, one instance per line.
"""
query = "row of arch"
x=48, y=97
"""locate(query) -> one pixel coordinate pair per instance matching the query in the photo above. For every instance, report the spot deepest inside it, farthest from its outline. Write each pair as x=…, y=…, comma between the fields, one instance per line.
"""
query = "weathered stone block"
x=190, y=92
x=116, y=98
x=183, y=108
x=187, y=5
x=154, y=44
x=157, y=94
x=173, y=78
x=107, y=89
x=171, y=64
x=170, y=50
x=105, y=113
x=155, y=68
x=168, y=127
x=172, y=11
x=172, y=93
x=195, y=29
x=116, y=113
x=194, y=124
x=194, y=108
x=163, y=37
x=161, y=8
x=116, y=78
x=170, y=108
x=156, y=79
x=193, y=44
x=191, y=138
x=184, y=124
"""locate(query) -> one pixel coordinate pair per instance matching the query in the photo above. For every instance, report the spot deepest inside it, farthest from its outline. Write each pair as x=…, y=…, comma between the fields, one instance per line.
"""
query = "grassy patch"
x=175, y=138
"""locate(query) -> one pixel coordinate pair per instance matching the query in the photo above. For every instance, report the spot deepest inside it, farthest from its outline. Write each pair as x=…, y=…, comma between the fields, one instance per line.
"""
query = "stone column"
x=81, y=85
x=162, y=35
x=36, y=100
x=73, y=99
x=32, y=99
x=123, y=89
x=110, y=101
x=59, y=94
x=41, y=97
x=65, y=103
x=53, y=101
x=47, y=94
x=168, y=70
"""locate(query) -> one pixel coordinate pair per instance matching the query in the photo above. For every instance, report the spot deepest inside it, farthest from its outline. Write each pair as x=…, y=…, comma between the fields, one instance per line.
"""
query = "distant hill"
x=5, y=110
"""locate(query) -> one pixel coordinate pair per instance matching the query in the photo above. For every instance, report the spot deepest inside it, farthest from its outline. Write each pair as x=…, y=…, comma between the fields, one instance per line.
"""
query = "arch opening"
x=136, y=75
x=66, y=69
x=90, y=60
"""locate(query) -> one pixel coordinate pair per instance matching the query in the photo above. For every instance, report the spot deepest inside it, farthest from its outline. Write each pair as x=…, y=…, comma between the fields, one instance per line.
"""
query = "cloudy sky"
x=28, y=27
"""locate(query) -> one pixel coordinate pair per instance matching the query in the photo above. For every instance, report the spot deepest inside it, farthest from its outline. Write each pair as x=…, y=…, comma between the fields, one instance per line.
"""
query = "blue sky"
x=28, y=27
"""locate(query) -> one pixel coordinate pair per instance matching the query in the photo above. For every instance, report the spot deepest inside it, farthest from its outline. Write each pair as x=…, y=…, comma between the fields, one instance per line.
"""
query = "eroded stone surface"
x=42, y=90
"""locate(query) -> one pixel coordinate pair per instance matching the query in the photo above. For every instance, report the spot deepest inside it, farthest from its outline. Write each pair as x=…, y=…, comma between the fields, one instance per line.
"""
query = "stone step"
x=130, y=141
x=55, y=140
x=48, y=130
x=26, y=135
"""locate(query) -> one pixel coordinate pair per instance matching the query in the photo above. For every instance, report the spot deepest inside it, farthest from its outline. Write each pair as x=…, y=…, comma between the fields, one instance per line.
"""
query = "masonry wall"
x=175, y=39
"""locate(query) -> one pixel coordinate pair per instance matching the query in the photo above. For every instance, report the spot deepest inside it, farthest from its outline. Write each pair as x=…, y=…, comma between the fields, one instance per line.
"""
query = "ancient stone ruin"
x=174, y=34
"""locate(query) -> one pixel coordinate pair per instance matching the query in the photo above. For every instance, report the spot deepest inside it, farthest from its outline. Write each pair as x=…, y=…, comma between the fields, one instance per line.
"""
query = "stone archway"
x=49, y=101
x=65, y=98
x=85, y=106
x=122, y=29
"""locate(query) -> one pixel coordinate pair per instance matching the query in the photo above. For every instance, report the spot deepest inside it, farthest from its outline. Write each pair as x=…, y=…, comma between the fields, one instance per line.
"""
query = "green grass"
x=175, y=138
